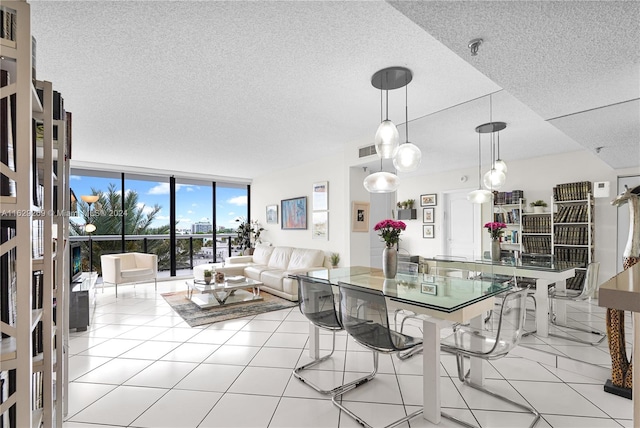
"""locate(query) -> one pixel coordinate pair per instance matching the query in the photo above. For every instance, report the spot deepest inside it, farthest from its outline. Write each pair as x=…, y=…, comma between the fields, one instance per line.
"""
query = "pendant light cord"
x=386, y=84
x=406, y=107
x=479, y=163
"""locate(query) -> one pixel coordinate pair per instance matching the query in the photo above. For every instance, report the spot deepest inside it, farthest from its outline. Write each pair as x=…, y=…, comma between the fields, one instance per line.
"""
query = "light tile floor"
x=140, y=365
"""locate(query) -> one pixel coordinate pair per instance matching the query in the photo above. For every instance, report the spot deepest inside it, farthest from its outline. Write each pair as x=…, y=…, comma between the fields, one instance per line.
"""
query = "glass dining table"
x=441, y=298
x=544, y=271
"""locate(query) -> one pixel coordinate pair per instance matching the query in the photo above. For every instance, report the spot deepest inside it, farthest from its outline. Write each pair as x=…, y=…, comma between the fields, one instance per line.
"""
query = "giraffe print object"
x=621, y=366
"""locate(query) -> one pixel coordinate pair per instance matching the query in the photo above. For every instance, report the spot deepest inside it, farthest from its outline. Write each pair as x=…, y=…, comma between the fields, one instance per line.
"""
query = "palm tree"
x=107, y=215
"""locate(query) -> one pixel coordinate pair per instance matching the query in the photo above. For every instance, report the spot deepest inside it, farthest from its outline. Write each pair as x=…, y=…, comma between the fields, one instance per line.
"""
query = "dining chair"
x=316, y=302
x=467, y=341
x=364, y=316
x=443, y=270
x=588, y=288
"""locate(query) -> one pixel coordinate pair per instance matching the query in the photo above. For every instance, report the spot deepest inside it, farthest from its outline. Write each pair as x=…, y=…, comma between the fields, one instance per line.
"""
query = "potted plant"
x=406, y=211
x=208, y=274
x=538, y=206
x=248, y=235
x=335, y=259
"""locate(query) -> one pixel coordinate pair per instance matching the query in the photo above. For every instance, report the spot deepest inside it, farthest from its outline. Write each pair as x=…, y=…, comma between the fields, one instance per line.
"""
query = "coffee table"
x=208, y=295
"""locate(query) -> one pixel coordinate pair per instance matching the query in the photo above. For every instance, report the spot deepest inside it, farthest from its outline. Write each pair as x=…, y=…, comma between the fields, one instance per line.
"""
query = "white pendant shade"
x=407, y=157
x=494, y=179
x=90, y=228
x=479, y=196
x=386, y=140
x=501, y=166
x=381, y=182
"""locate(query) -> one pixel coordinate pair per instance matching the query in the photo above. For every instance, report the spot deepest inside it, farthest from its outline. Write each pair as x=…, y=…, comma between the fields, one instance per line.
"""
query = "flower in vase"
x=389, y=231
x=495, y=229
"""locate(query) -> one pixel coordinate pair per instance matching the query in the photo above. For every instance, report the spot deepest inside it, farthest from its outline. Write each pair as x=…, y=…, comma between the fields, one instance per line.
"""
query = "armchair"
x=129, y=268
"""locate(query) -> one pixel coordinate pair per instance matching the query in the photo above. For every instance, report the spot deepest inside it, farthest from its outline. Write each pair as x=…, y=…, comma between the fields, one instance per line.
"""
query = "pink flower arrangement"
x=495, y=229
x=390, y=231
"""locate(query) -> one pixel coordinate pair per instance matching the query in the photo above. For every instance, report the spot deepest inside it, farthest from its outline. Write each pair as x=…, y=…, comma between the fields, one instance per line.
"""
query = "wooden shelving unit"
x=32, y=352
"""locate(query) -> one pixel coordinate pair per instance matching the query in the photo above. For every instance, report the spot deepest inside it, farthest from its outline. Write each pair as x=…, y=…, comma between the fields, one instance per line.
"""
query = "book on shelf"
x=536, y=224
x=577, y=191
x=8, y=23
x=508, y=198
x=8, y=276
x=7, y=136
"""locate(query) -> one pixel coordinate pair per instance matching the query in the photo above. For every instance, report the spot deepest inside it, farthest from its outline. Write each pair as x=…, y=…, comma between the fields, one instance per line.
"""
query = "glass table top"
x=440, y=293
x=547, y=264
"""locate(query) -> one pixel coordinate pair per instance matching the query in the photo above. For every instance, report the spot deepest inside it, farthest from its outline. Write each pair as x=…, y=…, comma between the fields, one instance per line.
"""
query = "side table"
x=82, y=301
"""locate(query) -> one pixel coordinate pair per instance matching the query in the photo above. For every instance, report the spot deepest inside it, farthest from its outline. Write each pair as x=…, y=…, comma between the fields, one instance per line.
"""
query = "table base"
x=224, y=298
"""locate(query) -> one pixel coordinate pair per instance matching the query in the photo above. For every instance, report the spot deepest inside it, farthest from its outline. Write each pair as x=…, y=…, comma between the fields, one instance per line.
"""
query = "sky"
x=193, y=202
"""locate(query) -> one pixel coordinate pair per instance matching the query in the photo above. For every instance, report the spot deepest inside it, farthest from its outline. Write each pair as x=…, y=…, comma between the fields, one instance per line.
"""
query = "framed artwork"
x=293, y=213
x=429, y=289
x=360, y=217
x=428, y=200
x=427, y=215
x=272, y=213
x=320, y=196
x=320, y=225
x=427, y=231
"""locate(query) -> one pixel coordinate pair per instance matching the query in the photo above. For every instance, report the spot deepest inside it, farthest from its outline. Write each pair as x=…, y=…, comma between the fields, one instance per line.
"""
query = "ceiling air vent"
x=363, y=152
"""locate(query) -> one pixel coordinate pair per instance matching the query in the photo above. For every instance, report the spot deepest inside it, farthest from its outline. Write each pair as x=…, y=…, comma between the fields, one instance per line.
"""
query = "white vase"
x=538, y=210
x=389, y=262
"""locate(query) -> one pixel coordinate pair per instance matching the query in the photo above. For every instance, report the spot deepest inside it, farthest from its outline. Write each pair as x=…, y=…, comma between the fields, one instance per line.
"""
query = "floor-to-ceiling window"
x=141, y=220
x=146, y=206
x=232, y=207
x=104, y=214
x=194, y=223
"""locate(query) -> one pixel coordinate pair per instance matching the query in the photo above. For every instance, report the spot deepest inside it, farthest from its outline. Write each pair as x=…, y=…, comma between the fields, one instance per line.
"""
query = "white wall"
x=298, y=181
x=536, y=177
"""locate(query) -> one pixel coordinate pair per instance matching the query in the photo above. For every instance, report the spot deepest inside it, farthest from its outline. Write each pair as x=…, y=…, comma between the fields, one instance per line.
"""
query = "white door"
x=461, y=226
x=623, y=217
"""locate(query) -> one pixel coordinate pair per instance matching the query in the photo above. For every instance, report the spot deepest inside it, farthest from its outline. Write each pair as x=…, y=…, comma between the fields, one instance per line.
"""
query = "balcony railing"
x=191, y=250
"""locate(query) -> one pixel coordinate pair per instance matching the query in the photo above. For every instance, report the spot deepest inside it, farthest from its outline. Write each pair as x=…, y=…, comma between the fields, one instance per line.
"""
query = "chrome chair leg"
x=465, y=379
x=552, y=320
x=296, y=373
x=362, y=381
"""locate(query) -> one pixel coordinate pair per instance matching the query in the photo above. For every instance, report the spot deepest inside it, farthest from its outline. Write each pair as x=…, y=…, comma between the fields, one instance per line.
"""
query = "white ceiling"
x=239, y=89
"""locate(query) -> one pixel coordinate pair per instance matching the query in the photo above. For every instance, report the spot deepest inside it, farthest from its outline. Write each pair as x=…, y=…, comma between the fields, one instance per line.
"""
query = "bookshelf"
x=536, y=234
x=511, y=215
x=33, y=235
x=573, y=227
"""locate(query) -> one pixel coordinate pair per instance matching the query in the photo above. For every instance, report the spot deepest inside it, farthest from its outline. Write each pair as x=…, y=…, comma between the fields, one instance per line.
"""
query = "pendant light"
x=499, y=164
x=408, y=155
x=495, y=178
x=479, y=196
x=387, y=136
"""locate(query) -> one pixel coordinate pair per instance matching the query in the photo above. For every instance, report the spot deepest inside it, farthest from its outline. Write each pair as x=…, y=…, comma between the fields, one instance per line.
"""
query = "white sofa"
x=129, y=268
x=273, y=265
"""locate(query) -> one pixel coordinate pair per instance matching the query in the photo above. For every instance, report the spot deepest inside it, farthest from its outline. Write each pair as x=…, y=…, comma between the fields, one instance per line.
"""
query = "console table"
x=82, y=301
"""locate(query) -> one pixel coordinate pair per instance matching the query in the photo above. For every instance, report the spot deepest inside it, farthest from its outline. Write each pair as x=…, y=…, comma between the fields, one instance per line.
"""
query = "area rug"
x=194, y=316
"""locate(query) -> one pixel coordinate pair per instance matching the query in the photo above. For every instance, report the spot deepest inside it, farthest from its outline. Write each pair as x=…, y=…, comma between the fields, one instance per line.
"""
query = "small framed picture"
x=320, y=225
x=272, y=213
x=427, y=215
x=320, y=196
x=360, y=217
x=428, y=200
x=427, y=231
x=430, y=289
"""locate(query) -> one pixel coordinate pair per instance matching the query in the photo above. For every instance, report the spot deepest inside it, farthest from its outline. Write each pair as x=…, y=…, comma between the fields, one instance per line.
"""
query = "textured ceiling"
x=238, y=89
x=572, y=61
